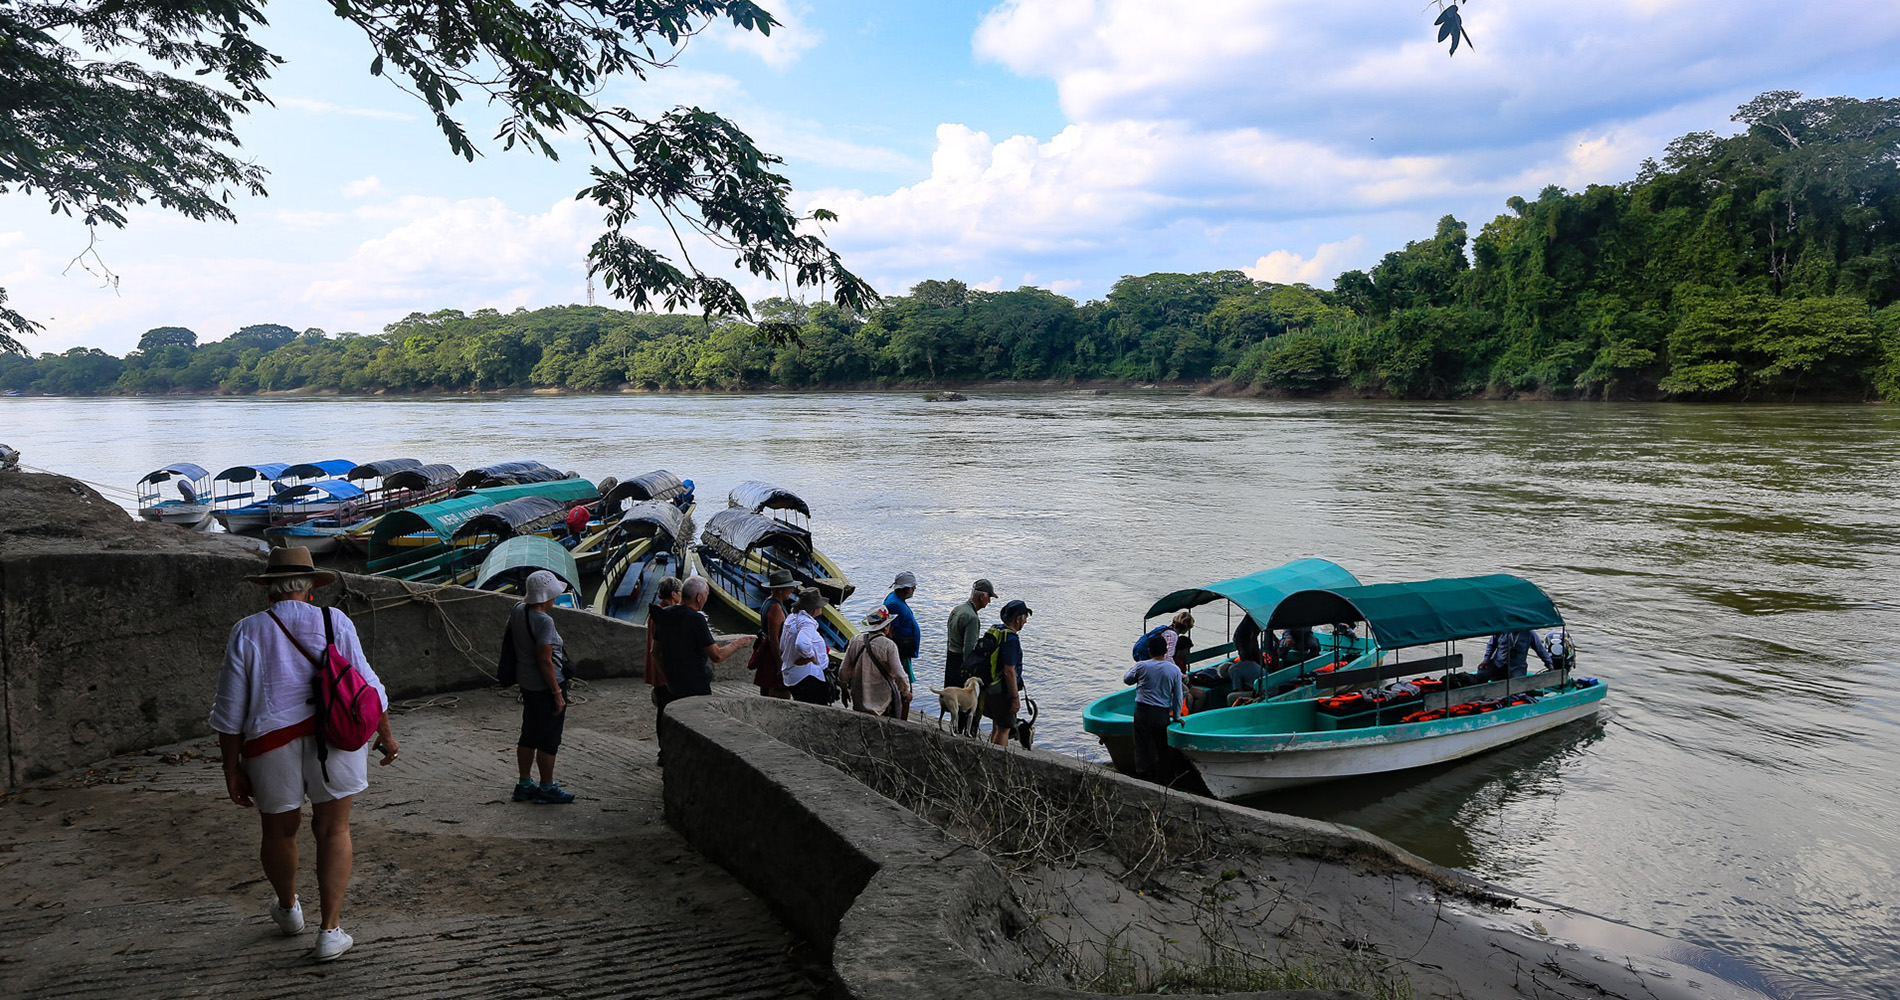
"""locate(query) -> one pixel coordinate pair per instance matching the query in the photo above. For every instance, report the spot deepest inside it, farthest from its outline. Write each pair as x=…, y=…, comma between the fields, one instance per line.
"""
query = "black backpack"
x=980, y=662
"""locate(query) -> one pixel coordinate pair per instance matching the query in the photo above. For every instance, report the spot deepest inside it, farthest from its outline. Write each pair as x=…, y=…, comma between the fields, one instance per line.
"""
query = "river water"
x=1733, y=572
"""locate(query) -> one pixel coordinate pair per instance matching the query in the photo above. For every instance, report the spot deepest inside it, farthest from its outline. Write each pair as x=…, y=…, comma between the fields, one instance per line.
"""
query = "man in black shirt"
x=685, y=644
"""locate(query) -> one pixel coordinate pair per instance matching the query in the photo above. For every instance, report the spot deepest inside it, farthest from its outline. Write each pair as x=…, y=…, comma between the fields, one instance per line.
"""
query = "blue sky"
x=1061, y=143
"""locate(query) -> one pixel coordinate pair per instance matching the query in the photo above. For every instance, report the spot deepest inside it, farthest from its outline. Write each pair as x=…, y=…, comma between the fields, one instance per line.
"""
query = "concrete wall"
x=904, y=909
x=103, y=652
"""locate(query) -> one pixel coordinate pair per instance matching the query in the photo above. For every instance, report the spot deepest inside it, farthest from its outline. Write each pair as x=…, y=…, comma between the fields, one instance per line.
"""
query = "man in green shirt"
x=966, y=627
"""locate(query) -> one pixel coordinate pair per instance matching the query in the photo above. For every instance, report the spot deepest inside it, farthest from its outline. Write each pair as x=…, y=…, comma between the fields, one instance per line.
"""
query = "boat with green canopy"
x=1111, y=718
x=508, y=565
x=1352, y=726
x=418, y=543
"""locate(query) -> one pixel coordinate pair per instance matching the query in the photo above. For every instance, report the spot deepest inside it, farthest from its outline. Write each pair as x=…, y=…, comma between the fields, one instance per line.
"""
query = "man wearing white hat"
x=542, y=675
x=266, y=723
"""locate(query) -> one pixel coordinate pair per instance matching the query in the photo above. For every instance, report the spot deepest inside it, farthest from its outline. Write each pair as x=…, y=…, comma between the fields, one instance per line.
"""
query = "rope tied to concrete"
x=433, y=597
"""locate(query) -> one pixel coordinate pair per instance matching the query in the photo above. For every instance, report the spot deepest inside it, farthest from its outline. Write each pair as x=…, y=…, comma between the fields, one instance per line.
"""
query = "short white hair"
x=693, y=589
x=292, y=585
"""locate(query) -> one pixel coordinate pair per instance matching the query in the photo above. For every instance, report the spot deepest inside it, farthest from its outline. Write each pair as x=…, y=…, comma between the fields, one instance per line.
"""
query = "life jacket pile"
x=1474, y=707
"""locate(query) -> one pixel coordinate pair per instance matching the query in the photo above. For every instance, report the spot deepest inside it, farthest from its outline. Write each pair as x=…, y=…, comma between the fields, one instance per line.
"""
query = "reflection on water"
x=1732, y=571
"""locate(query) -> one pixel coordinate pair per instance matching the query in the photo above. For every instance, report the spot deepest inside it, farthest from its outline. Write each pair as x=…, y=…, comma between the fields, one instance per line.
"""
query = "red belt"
x=278, y=738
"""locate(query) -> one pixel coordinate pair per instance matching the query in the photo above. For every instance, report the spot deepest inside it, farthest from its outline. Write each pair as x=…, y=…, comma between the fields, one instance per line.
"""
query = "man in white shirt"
x=265, y=715
x=803, y=652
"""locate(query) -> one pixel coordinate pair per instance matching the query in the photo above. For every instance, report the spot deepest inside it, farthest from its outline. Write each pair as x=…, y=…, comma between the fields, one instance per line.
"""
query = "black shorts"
x=997, y=707
x=540, y=726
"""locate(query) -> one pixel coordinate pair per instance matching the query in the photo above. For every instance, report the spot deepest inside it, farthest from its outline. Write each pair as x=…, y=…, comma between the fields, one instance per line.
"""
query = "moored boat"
x=190, y=508
x=507, y=566
x=416, y=543
x=1111, y=718
x=789, y=509
x=240, y=496
x=311, y=514
x=391, y=489
x=1369, y=729
x=736, y=554
x=642, y=545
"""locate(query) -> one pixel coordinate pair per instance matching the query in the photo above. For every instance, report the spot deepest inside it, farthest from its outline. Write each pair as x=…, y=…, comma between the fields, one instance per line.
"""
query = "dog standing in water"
x=960, y=704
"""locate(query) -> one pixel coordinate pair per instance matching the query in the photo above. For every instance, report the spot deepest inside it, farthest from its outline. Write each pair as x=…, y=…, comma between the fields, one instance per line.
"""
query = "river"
x=1732, y=571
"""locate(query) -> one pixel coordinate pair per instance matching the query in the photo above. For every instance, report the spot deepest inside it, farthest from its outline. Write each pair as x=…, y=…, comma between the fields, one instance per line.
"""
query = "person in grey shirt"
x=966, y=627
x=1157, y=703
x=543, y=678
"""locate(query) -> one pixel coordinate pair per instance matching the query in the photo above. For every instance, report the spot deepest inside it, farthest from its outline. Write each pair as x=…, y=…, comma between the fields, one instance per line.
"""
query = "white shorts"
x=282, y=778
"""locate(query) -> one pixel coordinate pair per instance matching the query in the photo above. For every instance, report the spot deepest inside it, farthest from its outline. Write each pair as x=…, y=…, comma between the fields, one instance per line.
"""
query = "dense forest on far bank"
x=1764, y=265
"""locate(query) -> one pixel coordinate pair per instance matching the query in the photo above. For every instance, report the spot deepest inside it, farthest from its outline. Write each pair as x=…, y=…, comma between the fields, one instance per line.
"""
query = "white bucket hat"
x=543, y=586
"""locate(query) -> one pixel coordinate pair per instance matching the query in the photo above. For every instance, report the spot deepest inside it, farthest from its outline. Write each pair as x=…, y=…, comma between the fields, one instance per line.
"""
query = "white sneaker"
x=290, y=921
x=330, y=944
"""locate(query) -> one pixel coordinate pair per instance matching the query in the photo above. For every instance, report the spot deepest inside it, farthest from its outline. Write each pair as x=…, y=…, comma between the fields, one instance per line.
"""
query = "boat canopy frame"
x=757, y=496
x=184, y=470
x=529, y=552
x=383, y=467
x=522, y=515
x=442, y=517
x=318, y=492
x=735, y=531
x=1424, y=612
x=656, y=485
x=329, y=468
x=248, y=473
x=1258, y=594
x=510, y=474
x=655, y=519
x=422, y=477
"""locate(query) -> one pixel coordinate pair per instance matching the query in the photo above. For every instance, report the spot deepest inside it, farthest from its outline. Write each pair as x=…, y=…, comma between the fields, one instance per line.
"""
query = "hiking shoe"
x=552, y=794
x=525, y=790
x=330, y=944
x=289, y=920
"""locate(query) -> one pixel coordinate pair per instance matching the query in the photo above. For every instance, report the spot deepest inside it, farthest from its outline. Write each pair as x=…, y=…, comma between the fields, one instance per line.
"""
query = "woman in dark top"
x=765, y=652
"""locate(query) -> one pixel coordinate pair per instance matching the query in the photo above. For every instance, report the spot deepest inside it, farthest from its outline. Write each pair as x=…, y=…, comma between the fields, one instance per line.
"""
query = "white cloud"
x=1288, y=268
x=791, y=39
x=364, y=187
x=326, y=108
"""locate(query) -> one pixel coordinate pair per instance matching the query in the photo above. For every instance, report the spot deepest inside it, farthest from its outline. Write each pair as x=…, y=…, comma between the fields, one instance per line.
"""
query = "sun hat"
x=779, y=578
x=543, y=586
x=289, y=561
x=904, y=579
x=876, y=620
x=810, y=600
x=983, y=587
x=1014, y=608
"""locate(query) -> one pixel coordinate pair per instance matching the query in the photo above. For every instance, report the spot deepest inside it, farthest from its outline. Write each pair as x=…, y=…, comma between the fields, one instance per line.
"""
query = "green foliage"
x=167, y=336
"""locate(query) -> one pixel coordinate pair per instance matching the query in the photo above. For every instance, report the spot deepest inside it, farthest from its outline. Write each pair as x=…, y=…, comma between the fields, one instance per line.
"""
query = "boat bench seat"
x=1493, y=689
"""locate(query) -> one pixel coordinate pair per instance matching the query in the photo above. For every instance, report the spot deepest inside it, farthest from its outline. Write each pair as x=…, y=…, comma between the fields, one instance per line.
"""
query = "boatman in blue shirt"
x=904, y=630
x=1507, y=653
x=1157, y=684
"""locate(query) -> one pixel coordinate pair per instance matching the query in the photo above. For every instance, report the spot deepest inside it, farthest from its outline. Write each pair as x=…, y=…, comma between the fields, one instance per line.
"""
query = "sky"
x=1057, y=143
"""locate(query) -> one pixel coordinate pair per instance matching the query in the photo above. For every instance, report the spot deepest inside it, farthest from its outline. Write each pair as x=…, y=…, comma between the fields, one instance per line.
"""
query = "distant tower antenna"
x=590, y=289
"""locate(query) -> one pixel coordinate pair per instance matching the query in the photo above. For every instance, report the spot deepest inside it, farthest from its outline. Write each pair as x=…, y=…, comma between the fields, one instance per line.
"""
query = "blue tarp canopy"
x=329, y=468
x=246, y=473
x=331, y=489
x=184, y=470
x=1416, y=614
x=1259, y=593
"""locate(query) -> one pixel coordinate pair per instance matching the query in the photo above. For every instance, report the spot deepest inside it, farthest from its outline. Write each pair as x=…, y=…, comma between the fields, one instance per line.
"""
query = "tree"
x=167, y=336
x=102, y=112
x=266, y=336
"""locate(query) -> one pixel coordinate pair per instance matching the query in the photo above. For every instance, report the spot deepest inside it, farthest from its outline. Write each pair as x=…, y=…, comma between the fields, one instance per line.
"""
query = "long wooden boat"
x=1368, y=729
x=191, y=508
x=788, y=508
x=240, y=496
x=296, y=514
x=393, y=489
x=739, y=584
x=416, y=543
x=1111, y=718
x=643, y=545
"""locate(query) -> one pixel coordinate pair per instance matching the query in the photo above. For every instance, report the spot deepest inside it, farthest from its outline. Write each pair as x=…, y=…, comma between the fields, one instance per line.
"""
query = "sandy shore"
x=138, y=878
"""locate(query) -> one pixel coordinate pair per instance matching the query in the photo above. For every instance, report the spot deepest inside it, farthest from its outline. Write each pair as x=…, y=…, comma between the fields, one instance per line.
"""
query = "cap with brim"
x=780, y=578
x=290, y=561
x=904, y=579
x=1014, y=608
x=876, y=621
x=983, y=587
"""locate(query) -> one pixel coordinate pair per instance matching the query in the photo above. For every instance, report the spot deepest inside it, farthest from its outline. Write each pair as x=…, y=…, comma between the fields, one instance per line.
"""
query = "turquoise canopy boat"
x=508, y=565
x=1111, y=718
x=417, y=543
x=1362, y=728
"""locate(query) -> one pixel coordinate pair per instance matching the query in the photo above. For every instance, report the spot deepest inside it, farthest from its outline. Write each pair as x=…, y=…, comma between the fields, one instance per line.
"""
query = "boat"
x=477, y=536
x=1286, y=743
x=1111, y=718
x=312, y=514
x=658, y=485
x=191, y=508
x=736, y=554
x=393, y=489
x=506, y=567
x=642, y=546
x=417, y=543
x=788, y=508
x=509, y=474
x=240, y=496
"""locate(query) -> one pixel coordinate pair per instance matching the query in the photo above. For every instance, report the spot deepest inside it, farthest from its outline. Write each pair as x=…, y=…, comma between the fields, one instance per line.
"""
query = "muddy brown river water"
x=1732, y=571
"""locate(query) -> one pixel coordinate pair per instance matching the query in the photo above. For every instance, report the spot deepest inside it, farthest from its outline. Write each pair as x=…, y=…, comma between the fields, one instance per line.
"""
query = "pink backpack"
x=348, y=709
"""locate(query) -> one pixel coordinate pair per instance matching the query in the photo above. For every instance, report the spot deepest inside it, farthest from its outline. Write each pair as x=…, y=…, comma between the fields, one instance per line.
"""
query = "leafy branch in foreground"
x=1451, y=24
x=101, y=113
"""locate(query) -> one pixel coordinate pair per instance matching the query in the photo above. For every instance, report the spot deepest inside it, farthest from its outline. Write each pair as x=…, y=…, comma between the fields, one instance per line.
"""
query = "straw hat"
x=289, y=561
x=876, y=621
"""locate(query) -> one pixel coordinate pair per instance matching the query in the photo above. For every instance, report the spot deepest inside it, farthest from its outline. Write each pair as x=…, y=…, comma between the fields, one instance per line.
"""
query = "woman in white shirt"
x=803, y=652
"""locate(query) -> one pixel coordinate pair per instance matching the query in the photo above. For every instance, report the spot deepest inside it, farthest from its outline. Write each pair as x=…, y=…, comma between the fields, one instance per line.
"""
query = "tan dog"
x=960, y=704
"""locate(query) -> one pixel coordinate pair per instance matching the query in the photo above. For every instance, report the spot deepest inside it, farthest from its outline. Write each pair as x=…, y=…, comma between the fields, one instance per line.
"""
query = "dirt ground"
x=138, y=877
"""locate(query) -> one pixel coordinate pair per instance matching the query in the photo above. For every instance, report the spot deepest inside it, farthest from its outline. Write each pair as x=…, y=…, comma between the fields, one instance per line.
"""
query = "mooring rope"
x=433, y=598
x=103, y=488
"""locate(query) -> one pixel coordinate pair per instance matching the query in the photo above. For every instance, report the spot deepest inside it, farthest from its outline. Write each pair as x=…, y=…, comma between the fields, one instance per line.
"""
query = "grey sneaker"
x=289, y=920
x=330, y=944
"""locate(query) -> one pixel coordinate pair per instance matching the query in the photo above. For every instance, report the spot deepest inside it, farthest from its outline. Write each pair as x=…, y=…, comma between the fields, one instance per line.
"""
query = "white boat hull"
x=1237, y=775
x=244, y=522
x=183, y=515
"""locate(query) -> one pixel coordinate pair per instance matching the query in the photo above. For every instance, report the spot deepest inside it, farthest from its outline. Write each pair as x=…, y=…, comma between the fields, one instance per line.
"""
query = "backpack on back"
x=507, y=663
x=1141, y=644
x=981, y=661
x=349, y=710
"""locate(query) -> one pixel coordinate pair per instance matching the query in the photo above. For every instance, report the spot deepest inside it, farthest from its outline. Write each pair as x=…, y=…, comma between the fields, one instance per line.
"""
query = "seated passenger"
x=1247, y=641
x=1299, y=642
x=1506, y=653
x=1242, y=675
